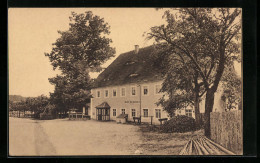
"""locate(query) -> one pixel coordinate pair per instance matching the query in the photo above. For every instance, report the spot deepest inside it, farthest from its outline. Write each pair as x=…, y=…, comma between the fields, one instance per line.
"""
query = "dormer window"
x=133, y=75
x=129, y=62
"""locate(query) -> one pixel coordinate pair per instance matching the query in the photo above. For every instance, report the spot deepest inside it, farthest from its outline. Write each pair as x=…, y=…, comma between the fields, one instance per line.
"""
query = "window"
x=106, y=93
x=133, y=112
x=98, y=93
x=114, y=92
x=158, y=113
x=145, y=112
x=157, y=89
x=188, y=112
x=123, y=111
x=133, y=91
x=114, y=112
x=122, y=92
x=145, y=90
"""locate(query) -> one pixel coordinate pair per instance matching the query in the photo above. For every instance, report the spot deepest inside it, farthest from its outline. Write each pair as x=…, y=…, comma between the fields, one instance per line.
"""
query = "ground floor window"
x=123, y=111
x=145, y=112
x=188, y=112
x=158, y=113
x=133, y=112
x=114, y=112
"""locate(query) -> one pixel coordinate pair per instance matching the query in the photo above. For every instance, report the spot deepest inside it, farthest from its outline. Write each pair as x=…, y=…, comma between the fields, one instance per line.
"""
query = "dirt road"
x=64, y=137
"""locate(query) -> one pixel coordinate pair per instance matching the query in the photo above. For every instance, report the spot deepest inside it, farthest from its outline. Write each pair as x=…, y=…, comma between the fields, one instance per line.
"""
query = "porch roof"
x=122, y=116
x=103, y=105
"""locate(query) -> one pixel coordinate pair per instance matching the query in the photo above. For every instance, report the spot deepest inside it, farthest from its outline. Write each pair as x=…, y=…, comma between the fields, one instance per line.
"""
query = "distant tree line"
x=36, y=105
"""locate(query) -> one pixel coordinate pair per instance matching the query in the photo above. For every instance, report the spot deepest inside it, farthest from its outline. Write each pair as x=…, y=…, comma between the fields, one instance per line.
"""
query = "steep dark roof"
x=130, y=68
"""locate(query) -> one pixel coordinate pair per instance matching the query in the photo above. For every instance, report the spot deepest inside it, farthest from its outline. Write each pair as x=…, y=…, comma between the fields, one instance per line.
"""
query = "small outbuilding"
x=122, y=118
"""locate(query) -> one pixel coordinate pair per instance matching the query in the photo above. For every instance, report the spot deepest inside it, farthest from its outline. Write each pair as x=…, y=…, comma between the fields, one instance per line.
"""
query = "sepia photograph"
x=125, y=81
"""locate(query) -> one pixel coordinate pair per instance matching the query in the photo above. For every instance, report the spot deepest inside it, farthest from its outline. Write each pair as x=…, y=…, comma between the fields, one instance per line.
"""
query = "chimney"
x=136, y=49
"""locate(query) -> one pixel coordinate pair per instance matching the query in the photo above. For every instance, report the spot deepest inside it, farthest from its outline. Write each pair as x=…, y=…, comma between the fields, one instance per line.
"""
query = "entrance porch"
x=103, y=112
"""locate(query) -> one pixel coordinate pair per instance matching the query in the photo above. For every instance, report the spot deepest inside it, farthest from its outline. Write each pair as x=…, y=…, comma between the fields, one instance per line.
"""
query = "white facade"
x=126, y=99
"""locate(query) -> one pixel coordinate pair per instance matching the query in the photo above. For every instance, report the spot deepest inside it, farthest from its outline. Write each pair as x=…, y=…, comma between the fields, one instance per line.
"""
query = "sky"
x=31, y=32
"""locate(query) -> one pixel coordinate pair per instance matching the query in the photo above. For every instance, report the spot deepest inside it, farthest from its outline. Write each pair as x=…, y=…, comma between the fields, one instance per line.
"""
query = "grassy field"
x=156, y=143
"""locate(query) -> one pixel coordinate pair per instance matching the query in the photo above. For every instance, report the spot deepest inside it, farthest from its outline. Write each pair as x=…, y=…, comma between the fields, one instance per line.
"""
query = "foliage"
x=232, y=89
x=35, y=104
x=49, y=112
x=79, y=50
x=206, y=40
x=180, y=123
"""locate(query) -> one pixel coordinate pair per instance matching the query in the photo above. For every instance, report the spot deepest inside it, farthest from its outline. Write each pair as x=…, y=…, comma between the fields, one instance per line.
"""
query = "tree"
x=177, y=69
x=209, y=39
x=38, y=105
x=232, y=89
x=78, y=51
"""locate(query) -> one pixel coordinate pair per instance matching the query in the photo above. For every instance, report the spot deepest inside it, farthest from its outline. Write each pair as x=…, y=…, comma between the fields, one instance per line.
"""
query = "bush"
x=45, y=116
x=180, y=123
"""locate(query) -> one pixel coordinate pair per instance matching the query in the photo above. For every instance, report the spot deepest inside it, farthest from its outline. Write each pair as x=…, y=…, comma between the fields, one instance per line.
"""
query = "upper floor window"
x=123, y=111
x=133, y=91
x=114, y=92
x=145, y=90
x=106, y=93
x=122, y=92
x=157, y=89
x=145, y=112
x=98, y=94
x=158, y=113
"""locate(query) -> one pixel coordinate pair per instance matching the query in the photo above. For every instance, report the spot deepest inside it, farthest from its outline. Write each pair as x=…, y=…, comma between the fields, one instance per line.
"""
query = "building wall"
x=189, y=111
x=129, y=102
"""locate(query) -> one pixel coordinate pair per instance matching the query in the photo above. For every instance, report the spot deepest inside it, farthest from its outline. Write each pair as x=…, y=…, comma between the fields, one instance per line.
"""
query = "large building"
x=130, y=86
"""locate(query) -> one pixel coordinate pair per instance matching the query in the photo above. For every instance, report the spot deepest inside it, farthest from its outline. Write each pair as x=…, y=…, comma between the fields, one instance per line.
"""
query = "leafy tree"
x=232, y=89
x=38, y=104
x=78, y=51
x=209, y=39
x=181, y=81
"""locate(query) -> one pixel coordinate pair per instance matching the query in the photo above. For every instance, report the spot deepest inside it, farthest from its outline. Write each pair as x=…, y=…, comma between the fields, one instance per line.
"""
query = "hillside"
x=16, y=98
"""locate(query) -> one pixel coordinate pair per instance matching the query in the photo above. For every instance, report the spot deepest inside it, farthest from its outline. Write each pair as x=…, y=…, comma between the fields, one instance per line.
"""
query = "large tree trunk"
x=197, y=101
x=197, y=110
x=208, y=109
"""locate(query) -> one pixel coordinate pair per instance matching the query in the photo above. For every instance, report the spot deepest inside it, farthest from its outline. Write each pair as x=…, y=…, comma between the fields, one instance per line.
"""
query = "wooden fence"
x=21, y=114
x=226, y=129
x=78, y=116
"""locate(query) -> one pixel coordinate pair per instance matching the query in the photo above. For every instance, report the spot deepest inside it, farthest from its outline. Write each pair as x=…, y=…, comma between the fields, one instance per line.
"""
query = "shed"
x=122, y=118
